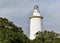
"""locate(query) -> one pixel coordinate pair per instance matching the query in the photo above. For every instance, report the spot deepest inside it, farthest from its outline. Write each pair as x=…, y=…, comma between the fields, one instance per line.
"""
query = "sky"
x=19, y=12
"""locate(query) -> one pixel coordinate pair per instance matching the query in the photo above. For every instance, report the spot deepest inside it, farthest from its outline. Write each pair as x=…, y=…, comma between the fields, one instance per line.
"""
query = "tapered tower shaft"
x=35, y=22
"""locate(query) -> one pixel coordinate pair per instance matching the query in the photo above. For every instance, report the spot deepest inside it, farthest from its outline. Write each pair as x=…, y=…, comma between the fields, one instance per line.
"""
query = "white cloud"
x=6, y=10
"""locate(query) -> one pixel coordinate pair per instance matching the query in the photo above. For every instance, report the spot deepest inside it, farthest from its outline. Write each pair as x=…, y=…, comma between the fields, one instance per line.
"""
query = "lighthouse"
x=35, y=23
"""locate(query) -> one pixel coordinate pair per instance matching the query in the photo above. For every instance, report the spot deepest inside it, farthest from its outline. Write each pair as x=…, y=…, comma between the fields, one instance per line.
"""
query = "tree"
x=47, y=37
x=10, y=33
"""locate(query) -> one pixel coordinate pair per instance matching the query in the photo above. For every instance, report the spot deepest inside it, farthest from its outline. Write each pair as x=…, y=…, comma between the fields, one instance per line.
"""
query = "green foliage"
x=10, y=33
x=47, y=37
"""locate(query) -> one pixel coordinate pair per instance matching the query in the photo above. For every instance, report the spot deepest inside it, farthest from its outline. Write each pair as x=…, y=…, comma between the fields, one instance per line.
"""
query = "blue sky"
x=19, y=12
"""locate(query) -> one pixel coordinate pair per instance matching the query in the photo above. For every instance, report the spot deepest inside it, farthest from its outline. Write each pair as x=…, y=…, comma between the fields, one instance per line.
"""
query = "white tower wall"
x=35, y=26
x=35, y=23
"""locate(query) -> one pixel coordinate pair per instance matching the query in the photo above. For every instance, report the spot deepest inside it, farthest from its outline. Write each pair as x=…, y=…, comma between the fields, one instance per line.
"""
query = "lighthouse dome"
x=36, y=11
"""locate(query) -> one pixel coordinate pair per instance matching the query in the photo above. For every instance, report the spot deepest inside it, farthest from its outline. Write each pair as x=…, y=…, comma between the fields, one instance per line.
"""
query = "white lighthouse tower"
x=35, y=22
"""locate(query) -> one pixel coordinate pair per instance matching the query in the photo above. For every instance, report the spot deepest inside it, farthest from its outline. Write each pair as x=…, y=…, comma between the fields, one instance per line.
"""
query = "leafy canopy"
x=10, y=33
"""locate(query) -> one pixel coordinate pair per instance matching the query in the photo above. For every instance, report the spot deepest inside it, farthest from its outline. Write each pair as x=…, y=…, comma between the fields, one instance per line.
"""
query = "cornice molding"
x=36, y=17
